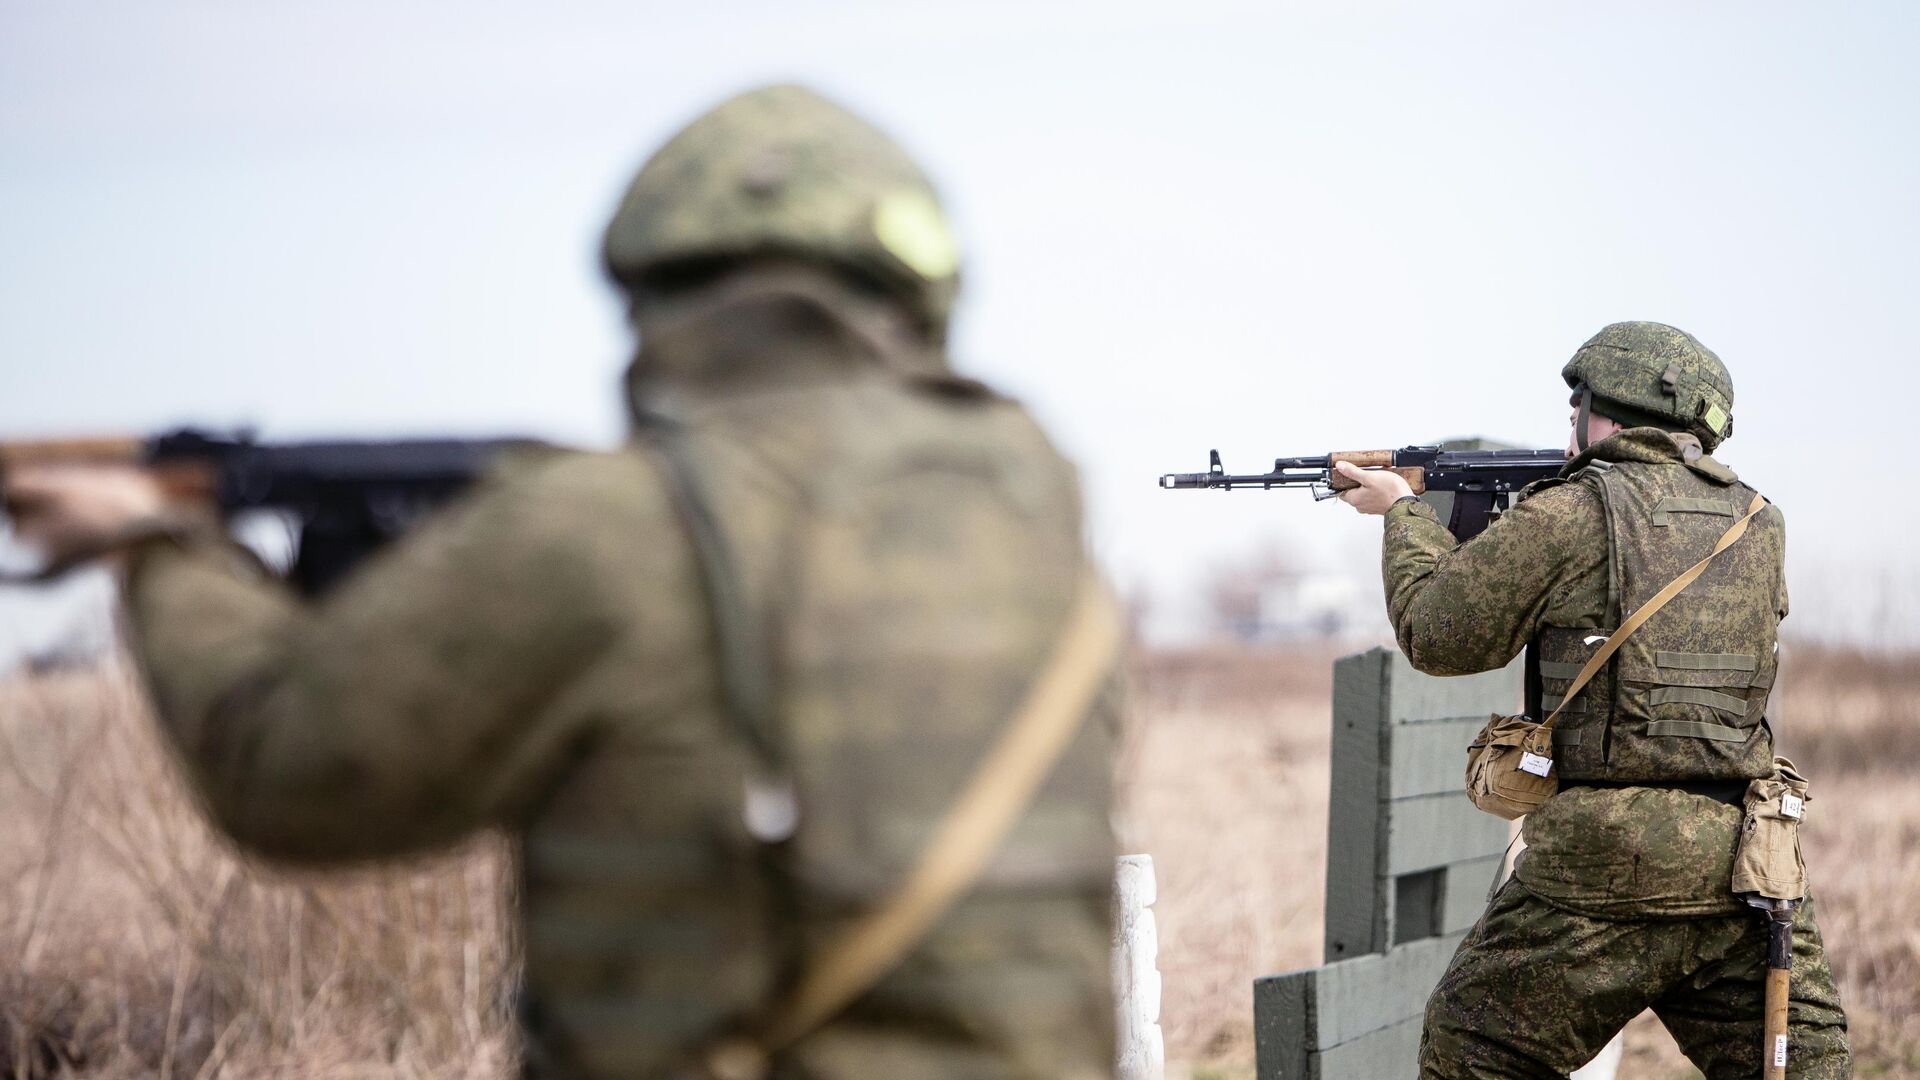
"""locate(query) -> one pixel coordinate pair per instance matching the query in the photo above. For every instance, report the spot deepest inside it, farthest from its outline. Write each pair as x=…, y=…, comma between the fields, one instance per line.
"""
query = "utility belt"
x=1731, y=792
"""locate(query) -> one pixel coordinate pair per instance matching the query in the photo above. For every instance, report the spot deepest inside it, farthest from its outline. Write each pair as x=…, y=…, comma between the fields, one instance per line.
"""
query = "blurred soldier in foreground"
x=1622, y=899
x=724, y=682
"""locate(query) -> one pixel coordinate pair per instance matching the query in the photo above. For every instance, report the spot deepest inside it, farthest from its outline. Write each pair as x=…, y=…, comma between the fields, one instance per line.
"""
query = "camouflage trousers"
x=1536, y=991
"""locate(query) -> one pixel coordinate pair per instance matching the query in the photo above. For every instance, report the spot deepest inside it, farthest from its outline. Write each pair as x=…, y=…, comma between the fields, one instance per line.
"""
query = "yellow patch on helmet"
x=909, y=224
x=1716, y=418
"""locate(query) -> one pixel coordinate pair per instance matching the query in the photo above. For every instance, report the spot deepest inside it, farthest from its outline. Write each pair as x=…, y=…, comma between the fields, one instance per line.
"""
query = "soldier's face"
x=1598, y=427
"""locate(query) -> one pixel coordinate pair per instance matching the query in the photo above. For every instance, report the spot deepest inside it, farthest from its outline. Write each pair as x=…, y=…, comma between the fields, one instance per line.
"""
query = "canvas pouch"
x=1768, y=862
x=1510, y=766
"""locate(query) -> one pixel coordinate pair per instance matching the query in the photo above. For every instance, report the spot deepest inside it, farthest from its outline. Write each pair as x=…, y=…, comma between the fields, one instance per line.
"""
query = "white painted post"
x=1605, y=1063
x=1136, y=976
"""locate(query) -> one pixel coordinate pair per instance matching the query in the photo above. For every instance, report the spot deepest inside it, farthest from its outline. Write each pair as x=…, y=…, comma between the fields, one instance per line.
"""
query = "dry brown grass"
x=134, y=943
x=1224, y=782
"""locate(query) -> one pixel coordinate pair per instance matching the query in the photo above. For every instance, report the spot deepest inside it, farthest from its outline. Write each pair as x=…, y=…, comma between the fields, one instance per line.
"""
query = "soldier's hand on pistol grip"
x=1379, y=488
x=70, y=511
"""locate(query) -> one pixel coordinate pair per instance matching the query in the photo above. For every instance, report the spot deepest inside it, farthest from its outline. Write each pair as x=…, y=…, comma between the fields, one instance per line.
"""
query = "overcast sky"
x=1272, y=229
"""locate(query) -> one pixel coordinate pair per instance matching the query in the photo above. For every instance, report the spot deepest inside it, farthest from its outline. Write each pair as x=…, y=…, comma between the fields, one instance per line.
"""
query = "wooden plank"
x=1415, y=698
x=1426, y=831
x=1387, y=1054
x=1356, y=906
x=1428, y=759
x=1301, y=1016
x=1284, y=1040
x=1355, y=997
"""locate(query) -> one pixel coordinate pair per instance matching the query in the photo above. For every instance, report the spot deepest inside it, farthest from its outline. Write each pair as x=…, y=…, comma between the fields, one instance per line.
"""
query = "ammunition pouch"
x=1510, y=767
x=1768, y=863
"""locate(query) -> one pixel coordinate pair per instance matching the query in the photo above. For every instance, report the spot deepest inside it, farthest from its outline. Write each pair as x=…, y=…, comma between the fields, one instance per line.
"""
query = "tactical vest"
x=1685, y=698
x=887, y=567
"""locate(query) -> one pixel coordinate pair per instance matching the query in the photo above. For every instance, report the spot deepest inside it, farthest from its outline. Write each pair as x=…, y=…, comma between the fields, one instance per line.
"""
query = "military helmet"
x=783, y=171
x=1651, y=374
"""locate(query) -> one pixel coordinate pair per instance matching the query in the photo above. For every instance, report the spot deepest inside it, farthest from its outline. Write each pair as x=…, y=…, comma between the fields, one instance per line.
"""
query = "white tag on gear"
x=1779, y=1051
x=1792, y=805
x=1535, y=764
x=771, y=809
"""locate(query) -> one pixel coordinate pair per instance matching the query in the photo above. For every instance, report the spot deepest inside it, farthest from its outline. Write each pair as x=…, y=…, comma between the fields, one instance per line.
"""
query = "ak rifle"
x=345, y=499
x=1476, y=483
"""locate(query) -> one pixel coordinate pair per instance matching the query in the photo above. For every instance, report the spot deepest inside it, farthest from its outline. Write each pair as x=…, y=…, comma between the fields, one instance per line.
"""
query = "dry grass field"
x=133, y=943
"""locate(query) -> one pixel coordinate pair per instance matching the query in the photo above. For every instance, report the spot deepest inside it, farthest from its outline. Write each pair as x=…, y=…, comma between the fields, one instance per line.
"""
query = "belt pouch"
x=1510, y=766
x=1768, y=862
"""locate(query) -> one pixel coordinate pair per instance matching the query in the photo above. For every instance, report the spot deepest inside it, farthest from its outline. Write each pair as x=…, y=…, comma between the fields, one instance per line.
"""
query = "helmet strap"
x=1580, y=423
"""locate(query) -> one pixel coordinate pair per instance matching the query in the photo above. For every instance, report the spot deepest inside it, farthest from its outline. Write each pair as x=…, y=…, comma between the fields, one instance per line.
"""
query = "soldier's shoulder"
x=1560, y=492
x=1570, y=501
x=549, y=492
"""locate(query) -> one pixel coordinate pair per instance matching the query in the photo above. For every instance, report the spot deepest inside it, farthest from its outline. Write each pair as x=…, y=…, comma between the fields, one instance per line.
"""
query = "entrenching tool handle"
x=1773, y=1049
x=1414, y=475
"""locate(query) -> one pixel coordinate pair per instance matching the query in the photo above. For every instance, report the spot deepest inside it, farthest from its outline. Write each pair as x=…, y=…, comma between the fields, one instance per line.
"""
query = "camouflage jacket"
x=543, y=658
x=1461, y=608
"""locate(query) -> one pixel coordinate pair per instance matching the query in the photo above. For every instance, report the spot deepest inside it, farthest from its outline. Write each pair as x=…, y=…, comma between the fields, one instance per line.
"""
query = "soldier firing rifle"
x=1644, y=581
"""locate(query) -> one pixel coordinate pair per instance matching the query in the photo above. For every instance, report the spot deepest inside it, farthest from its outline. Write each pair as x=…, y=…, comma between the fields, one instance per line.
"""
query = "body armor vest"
x=897, y=565
x=1685, y=697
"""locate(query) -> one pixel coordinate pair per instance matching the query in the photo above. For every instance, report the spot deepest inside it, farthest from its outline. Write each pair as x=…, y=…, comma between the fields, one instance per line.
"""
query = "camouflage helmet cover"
x=783, y=171
x=1650, y=373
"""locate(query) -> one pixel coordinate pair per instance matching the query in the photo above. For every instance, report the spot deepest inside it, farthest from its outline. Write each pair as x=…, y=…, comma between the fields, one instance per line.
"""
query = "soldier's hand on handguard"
x=73, y=512
x=1379, y=488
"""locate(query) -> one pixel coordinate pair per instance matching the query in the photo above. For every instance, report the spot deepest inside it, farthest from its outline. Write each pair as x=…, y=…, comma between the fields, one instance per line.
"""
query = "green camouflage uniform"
x=546, y=657
x=1622, y=900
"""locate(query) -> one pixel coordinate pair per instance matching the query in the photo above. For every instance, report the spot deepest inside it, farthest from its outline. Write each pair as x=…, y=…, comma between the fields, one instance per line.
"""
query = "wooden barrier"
x=1409, y=861
x=1409, y=866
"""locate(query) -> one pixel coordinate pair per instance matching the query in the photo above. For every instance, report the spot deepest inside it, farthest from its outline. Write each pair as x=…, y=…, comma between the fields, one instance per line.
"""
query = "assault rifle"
x=346, y=499
x=1471, y=486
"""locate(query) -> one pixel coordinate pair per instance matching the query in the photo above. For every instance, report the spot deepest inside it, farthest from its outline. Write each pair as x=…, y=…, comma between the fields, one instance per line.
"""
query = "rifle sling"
x=962, y=844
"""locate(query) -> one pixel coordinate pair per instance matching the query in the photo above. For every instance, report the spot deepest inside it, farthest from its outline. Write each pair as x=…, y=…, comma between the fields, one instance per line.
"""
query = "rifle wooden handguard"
x=1414, y=475
x=183, y=481
x=113, y=450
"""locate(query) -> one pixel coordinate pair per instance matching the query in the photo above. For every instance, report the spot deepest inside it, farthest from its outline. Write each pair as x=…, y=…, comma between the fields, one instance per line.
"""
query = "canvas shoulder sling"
x=1510, y=763
x=962, y=844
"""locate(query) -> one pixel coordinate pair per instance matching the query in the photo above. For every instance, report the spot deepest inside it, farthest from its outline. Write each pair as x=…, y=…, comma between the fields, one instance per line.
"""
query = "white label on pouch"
x=1779, y=1051
x=1535, y=764
x=1792, y=805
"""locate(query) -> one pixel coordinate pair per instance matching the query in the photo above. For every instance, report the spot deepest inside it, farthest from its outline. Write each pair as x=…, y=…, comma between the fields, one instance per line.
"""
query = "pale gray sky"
x=1268, y=228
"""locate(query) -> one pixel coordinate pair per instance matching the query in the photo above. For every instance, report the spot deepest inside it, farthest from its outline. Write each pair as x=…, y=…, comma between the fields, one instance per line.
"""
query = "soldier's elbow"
x=1438, y=654
x=1426, y=663
x=294, y=837
x=321, y=815
x=271, y=833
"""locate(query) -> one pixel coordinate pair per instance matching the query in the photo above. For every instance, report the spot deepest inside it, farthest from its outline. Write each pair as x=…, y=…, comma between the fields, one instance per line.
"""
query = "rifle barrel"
x=1232, y=480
